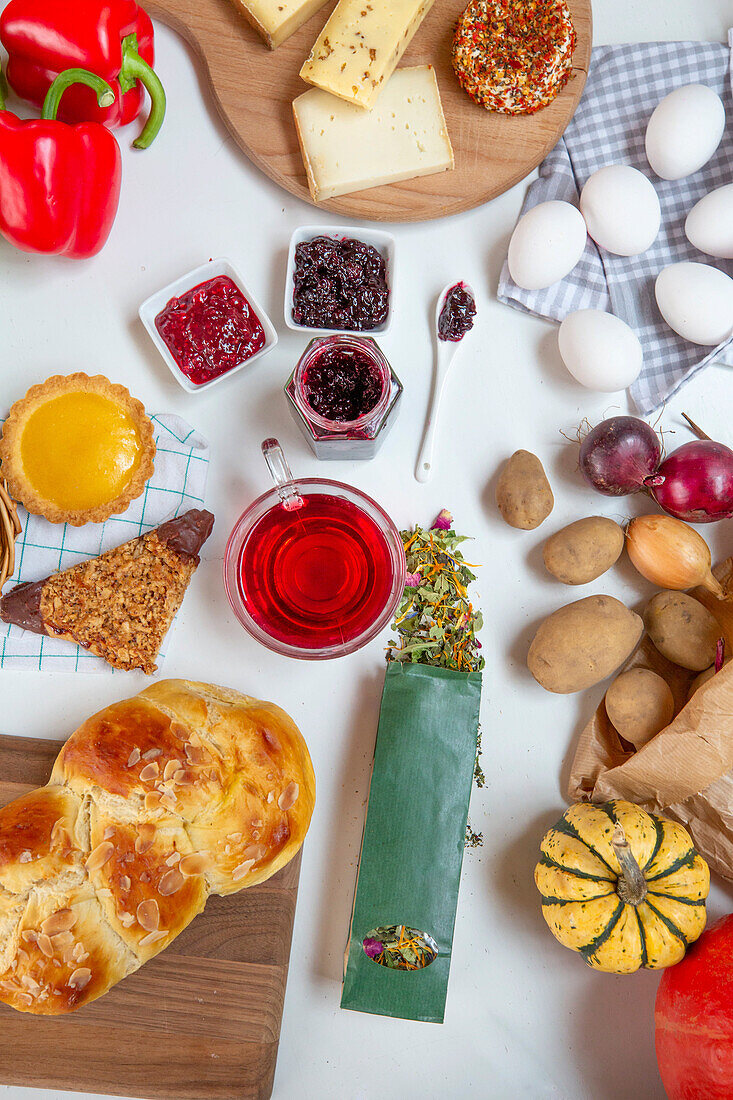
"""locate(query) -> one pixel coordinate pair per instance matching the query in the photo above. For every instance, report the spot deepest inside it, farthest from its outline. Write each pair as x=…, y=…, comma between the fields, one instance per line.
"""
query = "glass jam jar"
x=343, y=394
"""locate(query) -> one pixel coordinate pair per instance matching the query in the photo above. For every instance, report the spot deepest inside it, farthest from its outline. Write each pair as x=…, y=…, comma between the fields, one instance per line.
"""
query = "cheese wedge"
x=360, y=46
x=347, y=149
x=276, y=20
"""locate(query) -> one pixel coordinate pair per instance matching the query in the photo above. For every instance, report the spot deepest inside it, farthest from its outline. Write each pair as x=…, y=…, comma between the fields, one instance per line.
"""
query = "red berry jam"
x=339, y=284
x=457, y=314
x=342, y=383
x=210, y=329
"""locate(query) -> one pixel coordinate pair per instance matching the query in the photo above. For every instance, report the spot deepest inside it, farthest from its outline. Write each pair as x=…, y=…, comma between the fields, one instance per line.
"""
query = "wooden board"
x=199, y=1022
x=254, y=89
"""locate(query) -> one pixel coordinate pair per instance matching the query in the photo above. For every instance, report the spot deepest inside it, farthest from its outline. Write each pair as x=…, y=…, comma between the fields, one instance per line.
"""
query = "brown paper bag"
x=686, y=771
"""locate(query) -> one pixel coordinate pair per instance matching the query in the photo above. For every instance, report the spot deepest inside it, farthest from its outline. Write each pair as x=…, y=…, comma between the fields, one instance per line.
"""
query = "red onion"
x=719, y=654
x=696, y=482
x=620, y=455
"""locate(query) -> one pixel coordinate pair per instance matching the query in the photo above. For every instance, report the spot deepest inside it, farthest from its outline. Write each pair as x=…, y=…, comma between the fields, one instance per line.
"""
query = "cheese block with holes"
x=361, y=45
x=346, y=149
x=156, y=802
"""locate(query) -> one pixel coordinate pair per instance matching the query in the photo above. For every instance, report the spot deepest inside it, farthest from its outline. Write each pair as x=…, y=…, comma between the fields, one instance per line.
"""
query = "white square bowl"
x=377, y=238
x=153, y=305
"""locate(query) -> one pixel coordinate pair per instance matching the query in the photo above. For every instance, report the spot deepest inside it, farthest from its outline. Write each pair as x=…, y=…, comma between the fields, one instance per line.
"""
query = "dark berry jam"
x=342, y=383
x=457, y=314
x=210, y=329
x=339, y=284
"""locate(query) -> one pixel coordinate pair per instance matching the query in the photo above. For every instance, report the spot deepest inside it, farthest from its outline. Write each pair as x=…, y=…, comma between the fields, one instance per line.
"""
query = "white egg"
x=600, y=350
x=709, y=225
x=696, y=301
x=684, y=131
x=546, y=244
x=621, y=209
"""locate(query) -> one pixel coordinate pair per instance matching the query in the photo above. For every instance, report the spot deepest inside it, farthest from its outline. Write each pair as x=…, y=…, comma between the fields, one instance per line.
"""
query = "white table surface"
x=525, y=1017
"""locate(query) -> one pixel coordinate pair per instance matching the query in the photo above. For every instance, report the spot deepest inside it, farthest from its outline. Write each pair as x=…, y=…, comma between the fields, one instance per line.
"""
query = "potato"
x=583, y=643
x=639, y=704
x=583, y=550
x=682, y=630
x=702, y=679
x=523, y=493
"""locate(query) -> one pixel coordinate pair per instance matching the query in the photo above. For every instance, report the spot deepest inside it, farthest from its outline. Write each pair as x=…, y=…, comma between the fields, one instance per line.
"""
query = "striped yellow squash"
x=624, y=888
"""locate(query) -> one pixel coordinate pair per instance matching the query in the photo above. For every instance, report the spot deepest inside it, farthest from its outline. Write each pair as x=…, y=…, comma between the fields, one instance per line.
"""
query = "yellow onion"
x=670, y=554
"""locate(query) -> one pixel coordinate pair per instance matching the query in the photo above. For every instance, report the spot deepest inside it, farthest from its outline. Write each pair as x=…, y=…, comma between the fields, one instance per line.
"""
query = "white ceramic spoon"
x=445, y=352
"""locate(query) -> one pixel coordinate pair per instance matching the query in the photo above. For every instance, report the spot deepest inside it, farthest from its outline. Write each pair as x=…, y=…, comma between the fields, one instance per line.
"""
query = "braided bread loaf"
x=153, y=804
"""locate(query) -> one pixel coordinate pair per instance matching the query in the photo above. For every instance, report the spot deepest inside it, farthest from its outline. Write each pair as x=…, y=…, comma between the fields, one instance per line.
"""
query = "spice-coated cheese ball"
x=514, y=56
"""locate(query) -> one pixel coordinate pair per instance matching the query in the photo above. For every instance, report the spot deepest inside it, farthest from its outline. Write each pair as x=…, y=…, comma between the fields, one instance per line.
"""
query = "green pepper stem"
x=105, y=95
x=3, y=90
x=135, y=68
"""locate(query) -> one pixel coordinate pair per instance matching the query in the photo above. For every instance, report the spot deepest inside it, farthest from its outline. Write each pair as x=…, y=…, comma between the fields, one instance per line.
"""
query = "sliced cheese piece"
x=360, y=46
x=276, y=20
x=347, y=149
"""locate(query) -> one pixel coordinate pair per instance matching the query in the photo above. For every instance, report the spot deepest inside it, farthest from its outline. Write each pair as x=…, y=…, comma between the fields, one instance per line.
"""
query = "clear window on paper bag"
x=400, y=948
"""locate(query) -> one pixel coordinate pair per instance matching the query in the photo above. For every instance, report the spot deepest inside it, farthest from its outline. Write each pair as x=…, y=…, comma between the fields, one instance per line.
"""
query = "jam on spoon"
x=457, y=314
x=454, y=313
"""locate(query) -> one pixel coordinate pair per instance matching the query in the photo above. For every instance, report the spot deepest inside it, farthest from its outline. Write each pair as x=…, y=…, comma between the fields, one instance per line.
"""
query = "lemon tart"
x=77, y=449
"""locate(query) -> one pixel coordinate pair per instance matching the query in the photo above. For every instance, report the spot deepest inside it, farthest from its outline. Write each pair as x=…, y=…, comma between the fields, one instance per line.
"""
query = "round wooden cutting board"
x=254, y=88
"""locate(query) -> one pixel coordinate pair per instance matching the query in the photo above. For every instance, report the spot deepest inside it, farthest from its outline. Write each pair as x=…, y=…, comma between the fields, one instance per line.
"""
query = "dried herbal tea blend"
x=474, y=839
x=400, y=948
x=436, y=622
x=478, y=772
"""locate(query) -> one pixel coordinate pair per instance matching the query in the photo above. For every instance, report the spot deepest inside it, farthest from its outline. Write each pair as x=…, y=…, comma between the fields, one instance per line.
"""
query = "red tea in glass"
x=314, y=568
x=317, y=575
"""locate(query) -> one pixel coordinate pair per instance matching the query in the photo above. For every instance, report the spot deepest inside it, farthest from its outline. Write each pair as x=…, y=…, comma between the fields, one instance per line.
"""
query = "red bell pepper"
x=59, y=184
x=114, y=40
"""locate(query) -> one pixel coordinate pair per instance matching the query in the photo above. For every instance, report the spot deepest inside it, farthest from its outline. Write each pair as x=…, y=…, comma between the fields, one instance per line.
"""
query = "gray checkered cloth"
x=624, y=85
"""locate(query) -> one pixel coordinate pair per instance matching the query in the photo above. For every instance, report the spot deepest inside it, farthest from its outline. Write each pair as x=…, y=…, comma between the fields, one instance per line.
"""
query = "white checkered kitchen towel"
x=624, y=85
x=178, y=483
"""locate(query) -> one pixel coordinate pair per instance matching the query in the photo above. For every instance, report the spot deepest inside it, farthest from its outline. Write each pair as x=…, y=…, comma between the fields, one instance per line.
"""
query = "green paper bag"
x=414, y=836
